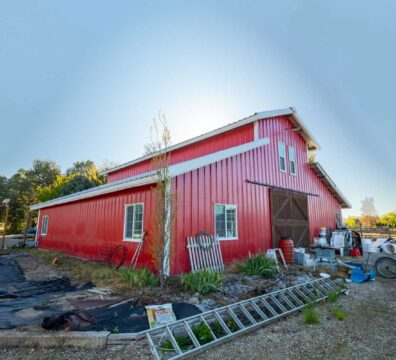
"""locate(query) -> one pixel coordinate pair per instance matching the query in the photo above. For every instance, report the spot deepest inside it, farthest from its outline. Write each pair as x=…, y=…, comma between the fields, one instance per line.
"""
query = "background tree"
x=164, y=211
x=388, y=219
x=368, y=207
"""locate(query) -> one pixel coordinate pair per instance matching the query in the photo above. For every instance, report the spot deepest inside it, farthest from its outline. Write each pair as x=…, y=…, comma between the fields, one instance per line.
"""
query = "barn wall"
x=85, y=227
x=224, y=182
x=232, y=138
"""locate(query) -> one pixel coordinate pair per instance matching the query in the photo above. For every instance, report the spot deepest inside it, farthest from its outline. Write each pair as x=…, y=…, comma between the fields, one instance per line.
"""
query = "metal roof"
x=151, y=176
x=330, y=185
x=291, y=112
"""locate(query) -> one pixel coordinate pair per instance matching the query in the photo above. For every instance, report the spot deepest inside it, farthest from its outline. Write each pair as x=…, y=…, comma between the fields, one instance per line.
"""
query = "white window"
x=133, y=226
x=292, y=161
x=44, y=225
x=282, y=156
x=226, y=226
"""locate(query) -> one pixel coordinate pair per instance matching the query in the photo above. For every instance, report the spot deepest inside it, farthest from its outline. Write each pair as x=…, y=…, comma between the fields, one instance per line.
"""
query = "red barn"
x=249, y=182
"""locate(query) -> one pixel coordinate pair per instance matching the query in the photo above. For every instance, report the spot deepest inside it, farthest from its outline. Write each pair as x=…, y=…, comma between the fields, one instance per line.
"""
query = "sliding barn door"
x=289, y=216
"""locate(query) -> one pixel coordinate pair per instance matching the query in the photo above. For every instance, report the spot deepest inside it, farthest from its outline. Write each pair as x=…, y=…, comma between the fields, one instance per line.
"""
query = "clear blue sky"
x=83, y=79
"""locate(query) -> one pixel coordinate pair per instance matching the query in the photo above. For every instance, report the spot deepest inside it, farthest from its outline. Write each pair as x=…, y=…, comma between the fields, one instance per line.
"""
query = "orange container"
x=287, y=246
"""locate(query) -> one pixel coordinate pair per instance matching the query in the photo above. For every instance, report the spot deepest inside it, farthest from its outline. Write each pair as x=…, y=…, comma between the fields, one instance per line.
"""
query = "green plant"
x=333, y=296
x=202, y=333
x=310, y=315
x=139, y=277
x=184, y=343
x=258, y=265
x=338, y=313
x=202, y=281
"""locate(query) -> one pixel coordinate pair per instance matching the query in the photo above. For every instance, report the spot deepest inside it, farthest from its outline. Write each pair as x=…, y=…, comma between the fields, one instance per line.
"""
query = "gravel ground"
x=368, y=332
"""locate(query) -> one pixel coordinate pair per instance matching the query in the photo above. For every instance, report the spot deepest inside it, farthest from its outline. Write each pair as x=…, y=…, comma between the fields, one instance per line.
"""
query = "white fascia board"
x=345, y=203
x=151, y=177
x=234, y=125
x=202, y=161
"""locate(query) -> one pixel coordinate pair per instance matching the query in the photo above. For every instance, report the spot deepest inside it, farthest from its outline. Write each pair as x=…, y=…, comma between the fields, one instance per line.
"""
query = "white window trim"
x=284, y=157
x=133, y=223
x=234, y=206
x=294, y=160
x=46, y=225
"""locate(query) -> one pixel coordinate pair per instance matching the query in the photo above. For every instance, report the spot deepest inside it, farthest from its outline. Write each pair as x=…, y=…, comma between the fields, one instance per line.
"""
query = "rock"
x=194, y=300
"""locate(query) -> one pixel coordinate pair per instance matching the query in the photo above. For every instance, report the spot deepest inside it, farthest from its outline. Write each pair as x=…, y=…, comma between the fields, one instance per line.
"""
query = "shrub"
x=139, y=277
x=258, y=265
x=310, y=315
x=338, y=313
x=202, y=281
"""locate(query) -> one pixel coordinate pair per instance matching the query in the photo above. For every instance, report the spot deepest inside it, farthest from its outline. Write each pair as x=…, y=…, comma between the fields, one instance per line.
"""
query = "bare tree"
x=163, y=214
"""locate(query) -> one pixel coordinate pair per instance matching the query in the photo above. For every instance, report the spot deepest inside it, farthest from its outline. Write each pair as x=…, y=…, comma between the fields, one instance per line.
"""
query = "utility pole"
x=5, y=202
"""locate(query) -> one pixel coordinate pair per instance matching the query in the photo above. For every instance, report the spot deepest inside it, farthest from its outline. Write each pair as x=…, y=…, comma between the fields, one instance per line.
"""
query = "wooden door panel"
x=289, y=216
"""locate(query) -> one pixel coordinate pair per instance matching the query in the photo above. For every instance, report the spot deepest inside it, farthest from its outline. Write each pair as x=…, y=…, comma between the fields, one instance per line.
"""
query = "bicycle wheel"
x=386, y=267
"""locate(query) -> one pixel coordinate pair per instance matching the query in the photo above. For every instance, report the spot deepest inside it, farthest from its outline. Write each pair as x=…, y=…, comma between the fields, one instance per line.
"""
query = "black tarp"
x=24, y=302
x=121, y=318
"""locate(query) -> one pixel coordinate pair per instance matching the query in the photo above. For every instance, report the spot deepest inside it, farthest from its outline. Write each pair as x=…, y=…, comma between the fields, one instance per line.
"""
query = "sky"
x=83, y=79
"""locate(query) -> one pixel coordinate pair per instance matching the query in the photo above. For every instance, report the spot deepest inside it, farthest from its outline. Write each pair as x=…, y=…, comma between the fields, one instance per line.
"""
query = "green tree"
x=84, y=168
x=388, y=219
x=77, y=183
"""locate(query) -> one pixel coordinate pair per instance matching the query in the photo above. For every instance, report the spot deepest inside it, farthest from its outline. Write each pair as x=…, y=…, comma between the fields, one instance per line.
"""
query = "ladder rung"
x=269, y=307
x=287, y=301
x=210, y=329
x=309, y=292
x=191, y=334
x=322, y=290
x=250, y=317
x=222, y=323
x=173, y=340
x=152, y=346
x=258, y=310
x=235, y=318
x=296, y=299
x=304, y=296
x=278, y=304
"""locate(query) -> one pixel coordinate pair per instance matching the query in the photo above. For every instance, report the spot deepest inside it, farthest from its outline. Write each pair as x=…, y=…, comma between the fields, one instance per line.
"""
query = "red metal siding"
x=85, y=227
x=224, y=182
x=232, y=138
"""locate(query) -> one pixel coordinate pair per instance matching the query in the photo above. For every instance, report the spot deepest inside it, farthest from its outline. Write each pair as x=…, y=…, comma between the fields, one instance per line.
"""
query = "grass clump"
x=139, y=277
x=311, y=315
x=202, y=281
x=333, y=296
x=258, y=265
x=338, y=313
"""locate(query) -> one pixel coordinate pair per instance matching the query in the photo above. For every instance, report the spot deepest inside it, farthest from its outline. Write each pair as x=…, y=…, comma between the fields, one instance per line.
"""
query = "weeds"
x=333, y=296
x=202, y=281
x=311, y=316
x=258, y=265
x=338, y=313
x=139, y=277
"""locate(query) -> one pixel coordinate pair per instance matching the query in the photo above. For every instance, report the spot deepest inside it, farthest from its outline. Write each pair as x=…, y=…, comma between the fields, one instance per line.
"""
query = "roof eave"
x=234, y=125
x=331, y=186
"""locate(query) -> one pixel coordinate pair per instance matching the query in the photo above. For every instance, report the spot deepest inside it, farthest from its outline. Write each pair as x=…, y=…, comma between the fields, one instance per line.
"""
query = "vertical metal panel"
x=232, y=138
x=227, y=185
x=85, y=227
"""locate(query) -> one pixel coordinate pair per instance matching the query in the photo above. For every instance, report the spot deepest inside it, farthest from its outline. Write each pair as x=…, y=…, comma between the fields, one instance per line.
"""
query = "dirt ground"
x=368, y=332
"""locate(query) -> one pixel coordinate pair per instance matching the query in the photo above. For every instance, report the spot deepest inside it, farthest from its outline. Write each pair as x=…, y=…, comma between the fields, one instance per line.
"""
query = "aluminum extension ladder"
x=178, y=340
